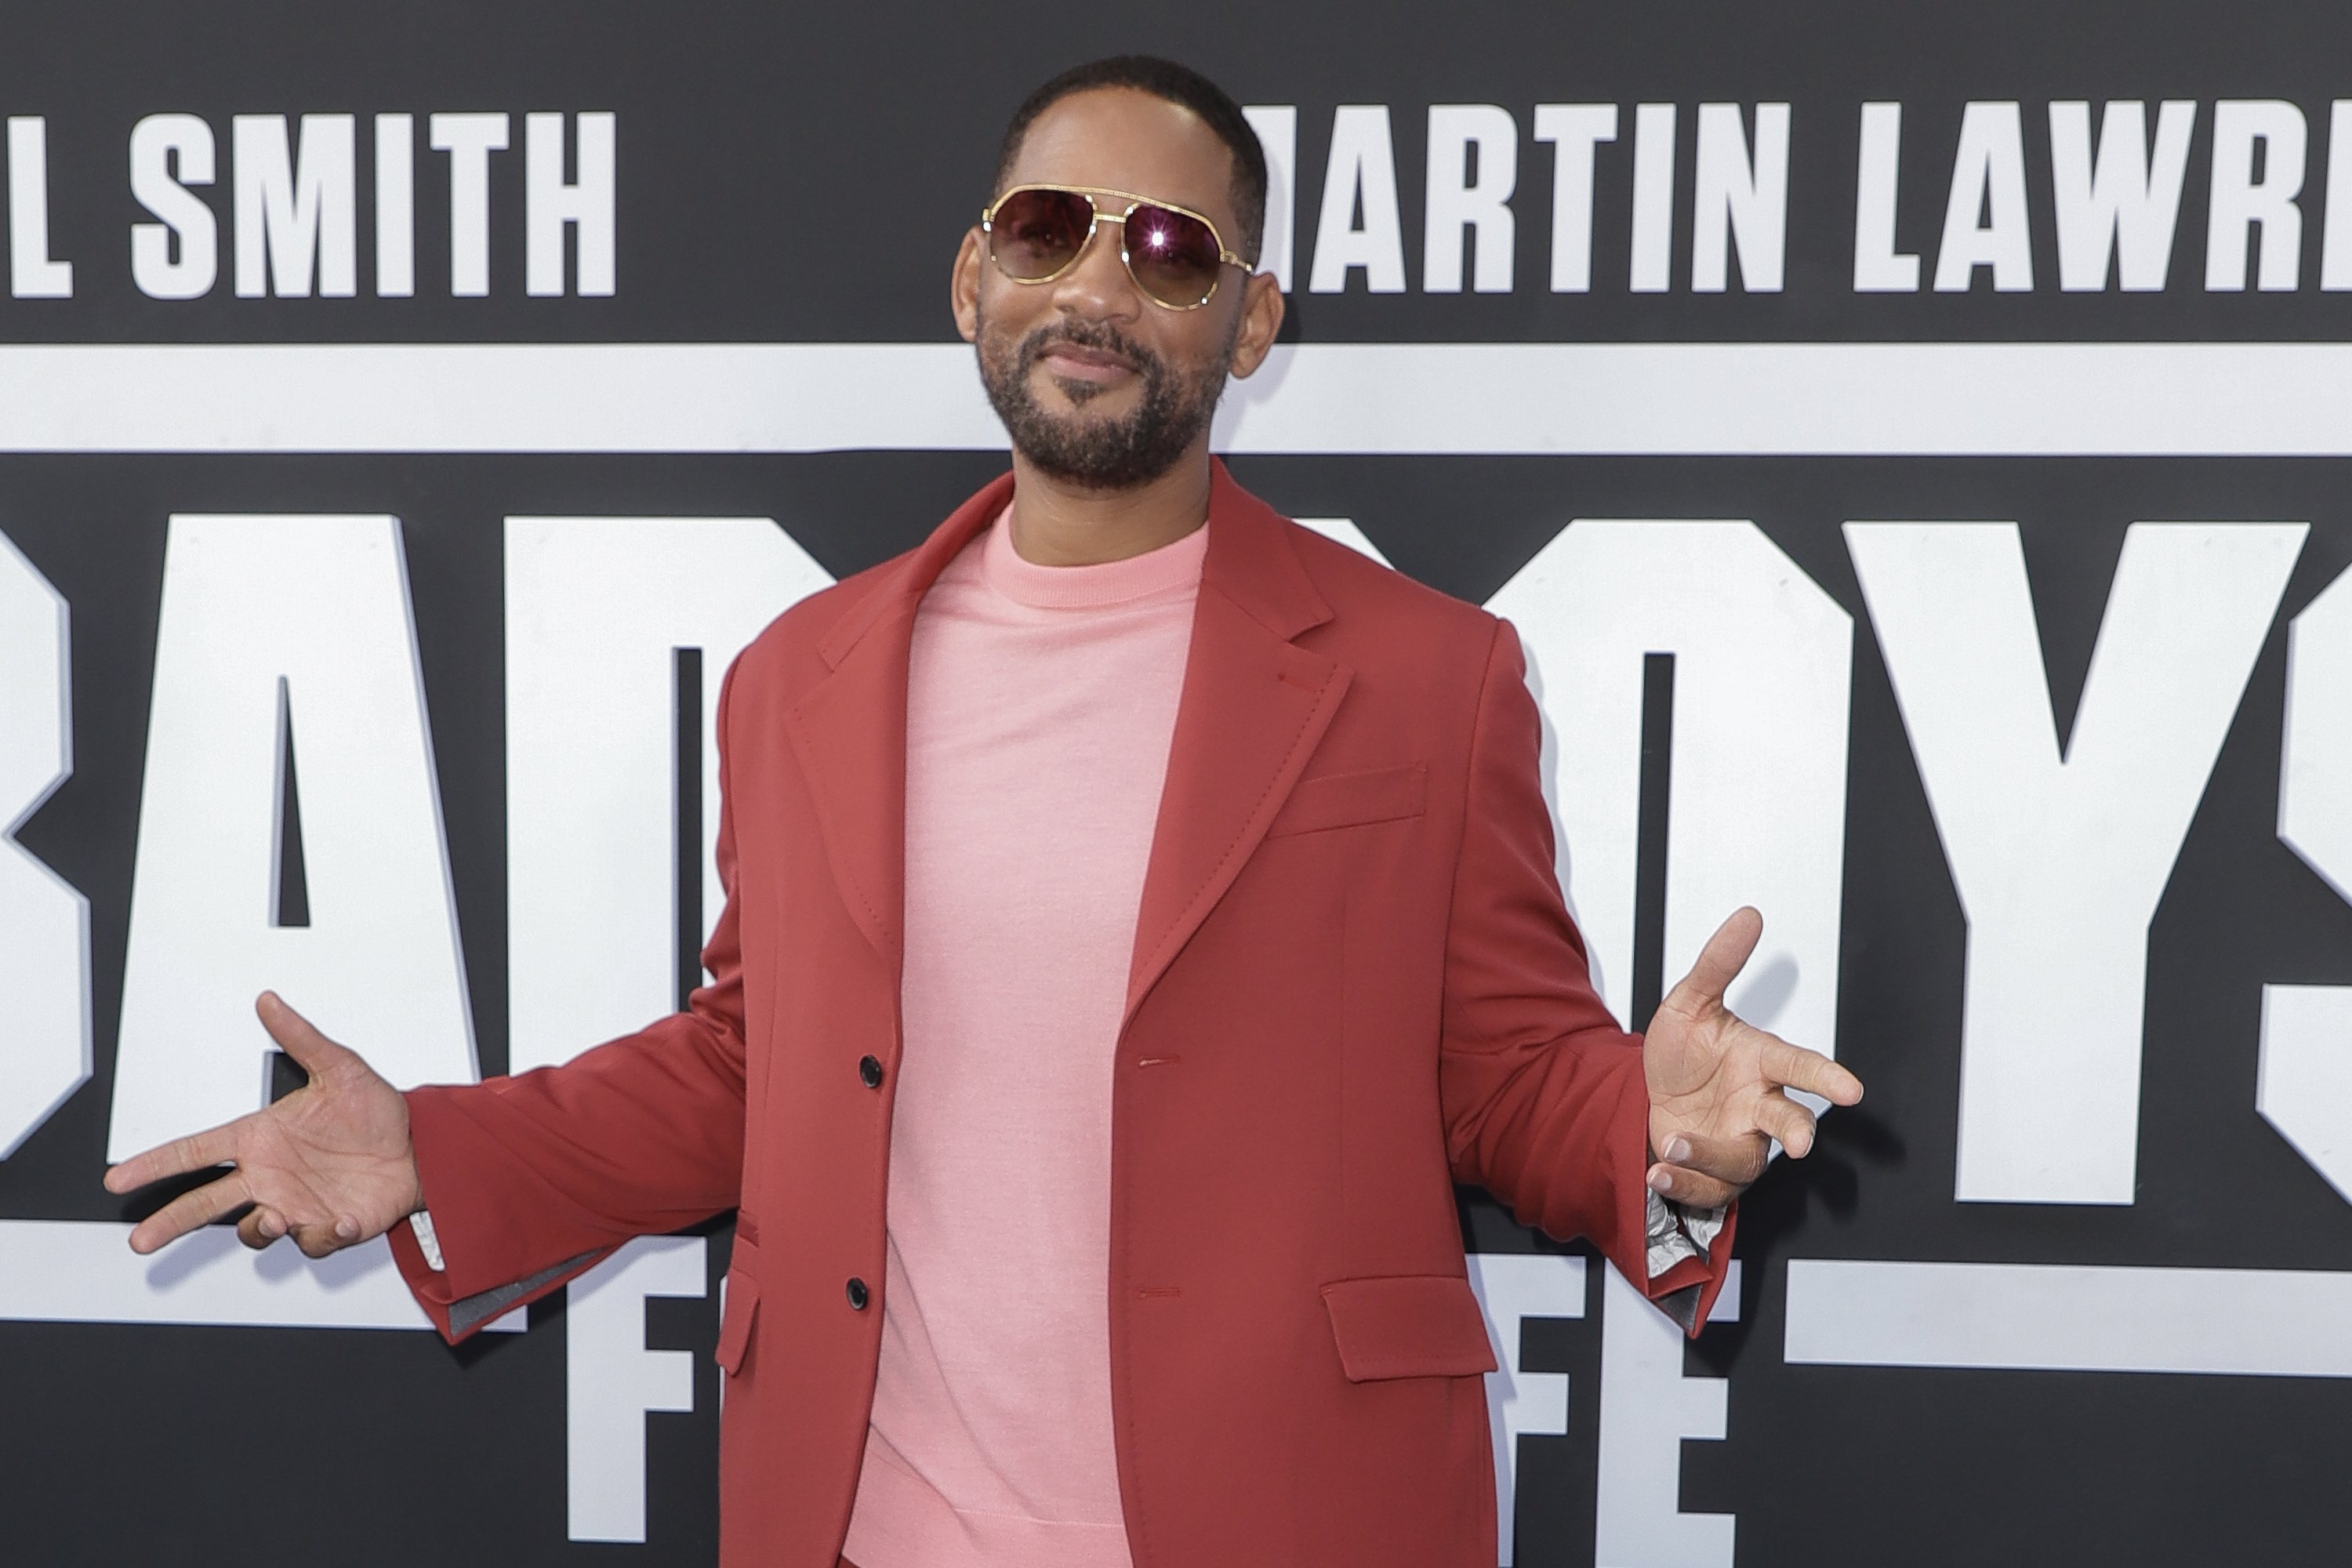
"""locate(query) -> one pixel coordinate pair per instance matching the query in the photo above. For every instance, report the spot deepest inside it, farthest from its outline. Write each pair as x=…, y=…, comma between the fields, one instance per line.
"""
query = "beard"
x=1100, y=453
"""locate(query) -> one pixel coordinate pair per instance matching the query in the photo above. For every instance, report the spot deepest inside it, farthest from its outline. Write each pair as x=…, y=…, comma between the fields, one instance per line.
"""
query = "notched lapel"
x=850, y=734
x=850, y=731
x=1254, y=709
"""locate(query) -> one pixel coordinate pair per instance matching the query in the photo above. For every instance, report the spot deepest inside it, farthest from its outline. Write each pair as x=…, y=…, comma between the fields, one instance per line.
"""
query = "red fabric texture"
x=1355, y=983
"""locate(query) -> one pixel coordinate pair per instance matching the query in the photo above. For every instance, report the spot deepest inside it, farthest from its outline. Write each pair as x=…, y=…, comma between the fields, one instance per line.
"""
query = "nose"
x=1096, y=288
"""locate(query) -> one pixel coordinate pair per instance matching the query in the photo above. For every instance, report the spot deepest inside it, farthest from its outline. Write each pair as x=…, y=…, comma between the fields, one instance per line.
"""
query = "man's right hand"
x=331, y=1165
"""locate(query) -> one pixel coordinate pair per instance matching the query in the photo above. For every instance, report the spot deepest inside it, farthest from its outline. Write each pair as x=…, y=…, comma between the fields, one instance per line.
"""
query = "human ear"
x=1262, y=310
x=963, y=285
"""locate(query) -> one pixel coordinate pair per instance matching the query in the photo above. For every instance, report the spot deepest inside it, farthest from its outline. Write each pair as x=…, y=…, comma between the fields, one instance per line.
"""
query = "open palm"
x=1717, y=1084
x=329, y=1164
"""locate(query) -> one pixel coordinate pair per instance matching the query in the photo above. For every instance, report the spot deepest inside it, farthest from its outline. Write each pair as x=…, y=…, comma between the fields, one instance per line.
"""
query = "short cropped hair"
x=1176, y=84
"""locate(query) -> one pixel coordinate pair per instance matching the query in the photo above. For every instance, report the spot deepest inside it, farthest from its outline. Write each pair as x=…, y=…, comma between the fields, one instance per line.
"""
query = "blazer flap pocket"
x=1408, y=1325
x=735, y=1322
x=1344, y=800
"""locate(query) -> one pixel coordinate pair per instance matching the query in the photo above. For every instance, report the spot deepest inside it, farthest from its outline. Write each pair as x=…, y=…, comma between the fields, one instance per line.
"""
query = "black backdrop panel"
x=801, y=174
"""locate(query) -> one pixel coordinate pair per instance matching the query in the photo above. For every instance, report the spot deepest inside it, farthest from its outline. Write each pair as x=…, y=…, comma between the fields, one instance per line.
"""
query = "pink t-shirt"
x=1040, y=702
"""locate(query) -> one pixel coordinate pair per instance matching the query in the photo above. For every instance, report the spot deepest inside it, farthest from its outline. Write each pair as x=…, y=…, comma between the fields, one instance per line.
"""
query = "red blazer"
x=1354, y=984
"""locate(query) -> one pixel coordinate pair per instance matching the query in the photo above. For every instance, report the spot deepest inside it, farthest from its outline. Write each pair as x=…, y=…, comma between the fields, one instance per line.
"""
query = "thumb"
x=1720, y=961
x=301, y=1039
x=1734, y=1161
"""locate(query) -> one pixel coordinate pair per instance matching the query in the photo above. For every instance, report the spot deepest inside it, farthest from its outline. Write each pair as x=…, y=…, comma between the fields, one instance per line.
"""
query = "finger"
x=1791, y=1123
x=1692, y=1187
x=213, y=1146
x=333, y=1236
x=301, y=1039
x=1719, y=962
x=1797, y=1068
x=1737, y=1161
x=260, y=1227
x=190, y=1211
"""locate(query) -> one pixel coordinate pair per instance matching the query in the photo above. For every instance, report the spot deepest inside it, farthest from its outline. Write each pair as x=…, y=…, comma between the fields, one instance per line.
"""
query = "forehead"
x=1122, y=139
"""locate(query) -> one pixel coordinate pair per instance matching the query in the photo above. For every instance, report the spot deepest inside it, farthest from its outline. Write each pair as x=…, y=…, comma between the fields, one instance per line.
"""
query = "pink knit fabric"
x=1041, y=702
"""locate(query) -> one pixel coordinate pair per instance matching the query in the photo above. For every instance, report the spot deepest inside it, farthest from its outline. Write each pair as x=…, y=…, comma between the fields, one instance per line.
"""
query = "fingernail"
x=347, y=1227
x=1677, y=1149
x=1659, y=1181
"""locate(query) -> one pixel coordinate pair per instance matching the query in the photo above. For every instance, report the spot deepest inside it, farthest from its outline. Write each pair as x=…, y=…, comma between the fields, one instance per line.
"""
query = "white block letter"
x=1512, y=1288
x=2124, y=201
x=158, y=144
x=2060, y=853
x=278, y=631
x=1457, y=202
x=290, y=210
x=1987, y=178
x=2241, y=203
x=1740, y=200
x=1648, y=1410
x=2336, y=230
x=32, y=275
x=1756, y=797
x=396, y=205
x=595, y=608
x=587, y=202
x=612, y=1381
x=470, y=140
x=2304, y=1085
x=1574, y=130
x=1878, y=266
x=1651, y=266
x=44, y=1048
x=1361, y=170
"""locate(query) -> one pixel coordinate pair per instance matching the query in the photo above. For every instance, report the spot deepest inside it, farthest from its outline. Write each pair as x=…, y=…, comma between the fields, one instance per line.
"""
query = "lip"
x=1074, y=363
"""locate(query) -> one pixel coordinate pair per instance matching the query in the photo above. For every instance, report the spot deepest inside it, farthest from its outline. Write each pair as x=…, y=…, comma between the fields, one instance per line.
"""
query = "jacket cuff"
x=480, y=1277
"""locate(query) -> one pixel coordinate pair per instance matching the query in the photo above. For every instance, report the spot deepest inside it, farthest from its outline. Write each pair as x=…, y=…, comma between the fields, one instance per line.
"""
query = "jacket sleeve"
x=1543, y=1096
x=531, y=1179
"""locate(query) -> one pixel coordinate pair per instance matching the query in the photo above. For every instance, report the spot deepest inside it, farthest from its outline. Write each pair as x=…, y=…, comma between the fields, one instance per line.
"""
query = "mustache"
x=1097, y=335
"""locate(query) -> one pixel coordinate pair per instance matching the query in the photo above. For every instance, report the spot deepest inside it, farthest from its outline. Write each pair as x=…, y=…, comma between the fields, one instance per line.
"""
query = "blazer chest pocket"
x=1352, y=800
x=1408, y=1325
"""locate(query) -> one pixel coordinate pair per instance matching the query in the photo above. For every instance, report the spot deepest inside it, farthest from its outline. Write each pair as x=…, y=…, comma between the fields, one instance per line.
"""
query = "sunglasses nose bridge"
x=1100, y=269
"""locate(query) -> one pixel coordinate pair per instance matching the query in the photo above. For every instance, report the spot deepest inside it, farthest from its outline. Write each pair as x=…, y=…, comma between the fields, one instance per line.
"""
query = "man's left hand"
x=1716, y=1083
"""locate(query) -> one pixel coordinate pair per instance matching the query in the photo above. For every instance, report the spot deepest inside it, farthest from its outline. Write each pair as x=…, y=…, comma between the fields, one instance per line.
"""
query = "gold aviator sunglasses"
x=1036, y=233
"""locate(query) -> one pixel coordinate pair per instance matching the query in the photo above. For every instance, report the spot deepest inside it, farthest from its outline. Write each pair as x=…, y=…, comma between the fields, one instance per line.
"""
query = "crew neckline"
x=1173, y=566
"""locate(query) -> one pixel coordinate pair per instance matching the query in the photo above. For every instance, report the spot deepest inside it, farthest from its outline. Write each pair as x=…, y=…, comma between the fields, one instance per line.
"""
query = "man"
x=1140, y=913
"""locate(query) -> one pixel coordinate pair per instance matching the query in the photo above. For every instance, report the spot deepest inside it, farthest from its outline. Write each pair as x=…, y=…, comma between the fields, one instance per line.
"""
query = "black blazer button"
x=857, y=1295
x=869, y=1072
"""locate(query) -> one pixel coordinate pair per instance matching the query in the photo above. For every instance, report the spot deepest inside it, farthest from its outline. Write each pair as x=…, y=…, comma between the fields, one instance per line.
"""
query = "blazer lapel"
x=850, y=730
x=1255, y=705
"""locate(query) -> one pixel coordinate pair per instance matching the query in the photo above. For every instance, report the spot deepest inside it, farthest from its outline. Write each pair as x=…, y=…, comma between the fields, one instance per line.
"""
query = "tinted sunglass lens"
x=1173, y=256
x=1034, y=233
